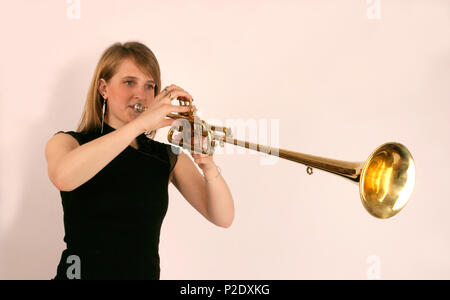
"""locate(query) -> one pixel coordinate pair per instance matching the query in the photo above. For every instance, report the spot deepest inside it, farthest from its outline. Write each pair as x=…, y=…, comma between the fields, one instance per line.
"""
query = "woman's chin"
x=132, y=115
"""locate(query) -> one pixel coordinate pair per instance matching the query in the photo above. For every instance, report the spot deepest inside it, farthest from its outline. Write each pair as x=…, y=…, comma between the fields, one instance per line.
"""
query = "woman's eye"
x=149, y=86
x=128, y=82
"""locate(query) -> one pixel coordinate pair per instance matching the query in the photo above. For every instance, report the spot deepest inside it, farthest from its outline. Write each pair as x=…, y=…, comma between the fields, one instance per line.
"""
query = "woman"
x=114, y=179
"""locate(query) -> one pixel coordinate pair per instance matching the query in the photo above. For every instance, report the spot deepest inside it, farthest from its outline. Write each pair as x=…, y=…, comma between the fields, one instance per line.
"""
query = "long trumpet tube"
x=349, y=170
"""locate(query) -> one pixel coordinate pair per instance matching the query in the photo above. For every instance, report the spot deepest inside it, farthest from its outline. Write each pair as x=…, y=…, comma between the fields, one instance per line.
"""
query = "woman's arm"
x=212, y=199
x=70, y=165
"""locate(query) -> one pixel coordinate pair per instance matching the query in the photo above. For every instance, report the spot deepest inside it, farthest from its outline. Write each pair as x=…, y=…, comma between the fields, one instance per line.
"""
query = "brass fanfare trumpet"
x=386, y=179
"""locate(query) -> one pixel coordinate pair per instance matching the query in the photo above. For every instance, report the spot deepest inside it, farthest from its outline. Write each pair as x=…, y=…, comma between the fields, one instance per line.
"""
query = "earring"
x=103, y=114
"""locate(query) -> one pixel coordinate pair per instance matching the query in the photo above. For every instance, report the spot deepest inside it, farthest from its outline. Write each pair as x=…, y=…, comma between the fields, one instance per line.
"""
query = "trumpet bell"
x=387, y=180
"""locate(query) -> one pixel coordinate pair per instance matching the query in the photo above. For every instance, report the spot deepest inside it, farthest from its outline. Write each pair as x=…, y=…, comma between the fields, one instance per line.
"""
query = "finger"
x=165, y=90
x=186, y=96
x=175, y=94
x=173, y=88
x=167, y=122
x=197, y=156
x=195, y=152
x=178, y=108
x=163, y=94
x=172, y=96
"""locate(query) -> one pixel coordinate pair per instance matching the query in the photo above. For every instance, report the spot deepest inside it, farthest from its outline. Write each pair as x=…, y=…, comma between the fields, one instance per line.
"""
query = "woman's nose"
x=139, y=94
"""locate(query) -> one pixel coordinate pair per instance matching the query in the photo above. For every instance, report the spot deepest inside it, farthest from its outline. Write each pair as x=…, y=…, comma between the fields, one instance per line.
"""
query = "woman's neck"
x=116, y=124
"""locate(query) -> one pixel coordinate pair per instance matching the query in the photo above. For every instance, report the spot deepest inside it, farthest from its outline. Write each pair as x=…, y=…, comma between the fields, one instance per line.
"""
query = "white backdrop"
x=339, y=77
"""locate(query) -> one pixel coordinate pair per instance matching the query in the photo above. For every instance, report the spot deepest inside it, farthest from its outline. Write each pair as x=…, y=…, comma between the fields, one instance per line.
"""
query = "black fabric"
x=113, y=221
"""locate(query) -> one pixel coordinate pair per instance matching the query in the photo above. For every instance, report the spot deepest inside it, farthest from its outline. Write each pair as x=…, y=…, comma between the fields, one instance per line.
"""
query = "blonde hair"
x=107, y=66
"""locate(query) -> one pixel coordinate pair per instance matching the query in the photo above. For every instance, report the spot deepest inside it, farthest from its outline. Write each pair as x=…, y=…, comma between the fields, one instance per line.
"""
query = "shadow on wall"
x=32, y=244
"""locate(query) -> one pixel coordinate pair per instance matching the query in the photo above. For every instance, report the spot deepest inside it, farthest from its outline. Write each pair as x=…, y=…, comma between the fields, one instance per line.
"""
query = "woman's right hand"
x=155, y=115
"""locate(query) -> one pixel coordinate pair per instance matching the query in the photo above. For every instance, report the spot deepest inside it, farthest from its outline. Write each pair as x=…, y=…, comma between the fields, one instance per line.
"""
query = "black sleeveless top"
x=113, y=221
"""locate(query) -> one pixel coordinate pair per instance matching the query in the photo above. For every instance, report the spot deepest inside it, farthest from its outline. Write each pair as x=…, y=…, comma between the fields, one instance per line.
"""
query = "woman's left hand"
x=204, y=161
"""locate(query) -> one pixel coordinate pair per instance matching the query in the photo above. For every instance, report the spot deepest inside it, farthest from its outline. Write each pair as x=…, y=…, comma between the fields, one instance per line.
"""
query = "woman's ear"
x=102, y=88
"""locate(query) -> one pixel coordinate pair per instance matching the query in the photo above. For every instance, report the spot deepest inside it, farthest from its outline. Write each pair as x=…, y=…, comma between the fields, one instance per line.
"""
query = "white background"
x=342, y=77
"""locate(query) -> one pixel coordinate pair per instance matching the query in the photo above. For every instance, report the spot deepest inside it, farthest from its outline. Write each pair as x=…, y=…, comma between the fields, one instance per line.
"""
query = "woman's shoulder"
x=81, y=137
x=171, y=152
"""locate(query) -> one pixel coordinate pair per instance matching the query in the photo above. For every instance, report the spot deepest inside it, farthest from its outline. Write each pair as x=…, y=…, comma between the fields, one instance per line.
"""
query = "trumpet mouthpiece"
x=138, y=107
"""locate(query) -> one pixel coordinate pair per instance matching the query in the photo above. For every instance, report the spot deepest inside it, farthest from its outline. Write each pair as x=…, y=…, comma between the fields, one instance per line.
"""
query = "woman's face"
x=126, y=88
